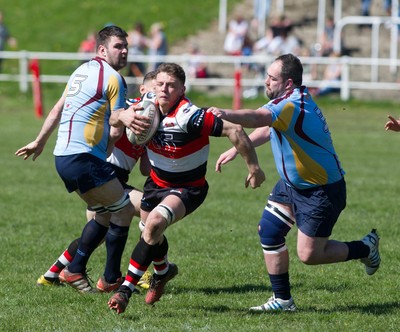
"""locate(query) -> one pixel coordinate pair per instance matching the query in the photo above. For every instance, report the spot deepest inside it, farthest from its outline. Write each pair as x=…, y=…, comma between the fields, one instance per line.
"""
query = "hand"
x=392, y=124
x=225, y=158
x=216, y=111
x=29, y=149
x=133, y=120
x=255, y=179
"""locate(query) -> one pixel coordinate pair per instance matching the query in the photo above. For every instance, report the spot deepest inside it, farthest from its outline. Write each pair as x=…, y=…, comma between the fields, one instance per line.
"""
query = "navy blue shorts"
x=192, y=197
x=316, y=210
x=84, y=172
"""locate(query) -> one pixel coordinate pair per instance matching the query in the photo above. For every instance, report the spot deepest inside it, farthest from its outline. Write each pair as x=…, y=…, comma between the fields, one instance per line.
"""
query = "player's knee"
x=273, y=228
x=157, y=221
x=166, y=212
x=120, y=204
x=98, y=209
x=308, y=256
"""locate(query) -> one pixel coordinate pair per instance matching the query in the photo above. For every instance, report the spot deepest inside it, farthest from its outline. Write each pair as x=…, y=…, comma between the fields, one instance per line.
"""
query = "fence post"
x=345, y=88
x=237, y=92
x=23, y=70
x=37, y=95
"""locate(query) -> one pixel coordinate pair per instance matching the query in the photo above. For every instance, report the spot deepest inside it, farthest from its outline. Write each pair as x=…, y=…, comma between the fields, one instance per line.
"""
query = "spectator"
x=387, y=5
x=284, y=42
x=137, y=42
x=365, y=7
x=325, y=45
x=332, y=74
x=197, y=68
x=235, y=37
x=365, y=11
x=281, y=24
x=261, y=9
x=261, y=45
x=88, y=45
x=157, y=44
x=5, y=37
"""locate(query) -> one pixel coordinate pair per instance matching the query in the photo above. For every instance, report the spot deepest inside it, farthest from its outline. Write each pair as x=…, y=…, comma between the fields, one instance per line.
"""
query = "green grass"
x=221, y=266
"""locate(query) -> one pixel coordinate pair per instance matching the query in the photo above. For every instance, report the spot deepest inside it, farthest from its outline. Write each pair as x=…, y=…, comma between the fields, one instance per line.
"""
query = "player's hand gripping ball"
x=150, y=109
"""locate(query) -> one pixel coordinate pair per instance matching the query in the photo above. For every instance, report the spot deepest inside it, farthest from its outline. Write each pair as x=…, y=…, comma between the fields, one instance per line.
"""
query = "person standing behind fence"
x=157, y=45
x=234, y=39
x=137, y=42
x=5, y=37
x=261, y=9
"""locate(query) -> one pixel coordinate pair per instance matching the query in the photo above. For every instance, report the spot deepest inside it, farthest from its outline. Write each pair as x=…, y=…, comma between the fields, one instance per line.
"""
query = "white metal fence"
x=375, y=73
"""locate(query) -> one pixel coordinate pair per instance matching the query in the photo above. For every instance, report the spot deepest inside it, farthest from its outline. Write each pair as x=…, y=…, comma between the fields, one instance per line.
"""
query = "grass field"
x=221, y=267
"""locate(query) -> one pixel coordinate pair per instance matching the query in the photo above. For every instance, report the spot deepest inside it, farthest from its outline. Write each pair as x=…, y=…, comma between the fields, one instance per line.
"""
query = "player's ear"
x=101, y=50
x=289, y=84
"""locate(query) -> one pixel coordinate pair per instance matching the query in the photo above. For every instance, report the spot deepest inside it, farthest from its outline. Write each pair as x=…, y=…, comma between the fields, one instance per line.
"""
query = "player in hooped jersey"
x=311, y=191
x=176, y=186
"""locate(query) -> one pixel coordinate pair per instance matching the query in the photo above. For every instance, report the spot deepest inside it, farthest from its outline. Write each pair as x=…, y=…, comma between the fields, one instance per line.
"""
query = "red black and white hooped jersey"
x=179, y=150
x=125, y=154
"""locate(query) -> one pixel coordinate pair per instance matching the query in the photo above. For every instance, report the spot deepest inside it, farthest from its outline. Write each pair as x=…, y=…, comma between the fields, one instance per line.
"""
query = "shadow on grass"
x=378, y=309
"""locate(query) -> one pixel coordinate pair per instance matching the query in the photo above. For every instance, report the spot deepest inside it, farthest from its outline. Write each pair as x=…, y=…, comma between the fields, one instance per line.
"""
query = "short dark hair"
x=104, y=35
x=291, y=68
x=151, y=75
x=174, y=70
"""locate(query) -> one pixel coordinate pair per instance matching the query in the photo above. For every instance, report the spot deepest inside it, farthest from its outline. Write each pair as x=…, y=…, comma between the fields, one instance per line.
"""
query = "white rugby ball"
x=150, y=109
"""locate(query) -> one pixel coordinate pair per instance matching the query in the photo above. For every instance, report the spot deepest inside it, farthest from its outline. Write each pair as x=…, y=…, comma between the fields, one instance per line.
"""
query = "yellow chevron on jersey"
x=301, y=142
x=93, y=91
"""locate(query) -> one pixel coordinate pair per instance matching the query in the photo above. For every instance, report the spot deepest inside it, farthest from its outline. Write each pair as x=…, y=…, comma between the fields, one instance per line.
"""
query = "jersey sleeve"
x=206, y=123
x=116, y=92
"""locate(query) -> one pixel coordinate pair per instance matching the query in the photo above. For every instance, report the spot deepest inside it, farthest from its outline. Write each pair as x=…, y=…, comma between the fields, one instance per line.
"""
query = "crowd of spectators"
x=243, y=38
x=280, y=37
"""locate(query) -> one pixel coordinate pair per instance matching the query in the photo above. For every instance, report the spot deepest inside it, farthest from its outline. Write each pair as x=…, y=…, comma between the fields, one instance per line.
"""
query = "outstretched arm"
x=248, y=118
x=392, y=124
x=243, y=145
x=36, y=147
x=258, y=137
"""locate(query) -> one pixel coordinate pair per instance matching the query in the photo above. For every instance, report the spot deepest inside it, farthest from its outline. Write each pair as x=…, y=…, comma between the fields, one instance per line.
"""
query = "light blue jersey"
x=304, y=154
x=92, y=92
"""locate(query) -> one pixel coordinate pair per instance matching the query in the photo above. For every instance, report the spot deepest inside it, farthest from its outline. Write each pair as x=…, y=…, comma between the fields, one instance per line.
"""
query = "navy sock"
x=357, y=250
x=92, y=234
x=115, y=242
x=280, y=285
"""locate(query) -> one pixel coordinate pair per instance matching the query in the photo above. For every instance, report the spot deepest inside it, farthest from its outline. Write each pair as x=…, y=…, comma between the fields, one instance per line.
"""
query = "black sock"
x=280, y=285
x=115, y=242
x=357, y=250
x=92, y=234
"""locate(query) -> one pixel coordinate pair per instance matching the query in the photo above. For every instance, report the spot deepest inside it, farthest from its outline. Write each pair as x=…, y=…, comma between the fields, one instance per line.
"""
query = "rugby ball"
x=150, y=109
